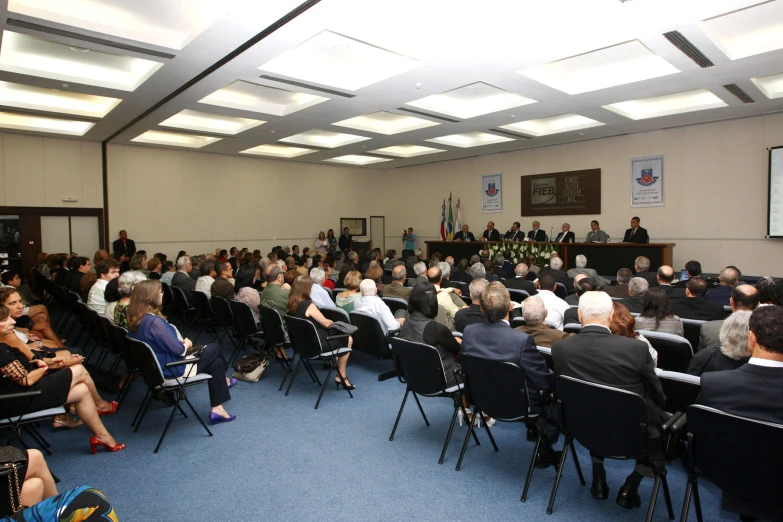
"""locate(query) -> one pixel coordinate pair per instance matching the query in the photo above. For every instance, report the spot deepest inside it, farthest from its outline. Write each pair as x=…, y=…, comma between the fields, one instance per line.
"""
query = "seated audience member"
x=119, y=311
x=106, y=271
x=67, y=385
x=77, y=267
x=195, y=271
x=733, y=350
x=11, y=278
x=290, y=276
x=533, y=268
x=555, y=270
x=693, y=269
x=620, y=290
x=637, y=289
x=472, y=314
x=489, y=271
x=299, y=305
x=477, y=271
x=347, y=299
x=32, y=317
x=770, y=291
x=397, y=287
x=138, y=261
x=743, y=298
x=443, y=295
x=642, y=267
x=623, y=324
x=290, y=263
x=420, y=269
x=693, y=305
x=61, y=276
x=87, y=283
x=147, y=325
x=460, y=272
x=222, y=287
x=519, y=281
x=535, y=316
x=573, y=299
x=496, y=340
x=657, y=314
x=727, y=279
x=301, y=265
x=500, y=269
x=339, y=261
x=581, y=268
x=275, y=295
x=598, y=356
x=328, y=266
x=555, y=307
x=370, y=303
x=23, y=337
x=391, y=257
x=375, y=274
x=665, y=276
x=208, y=275
x=247, y=273
x=252, y=298
x=154, y=267
x=318, y=295
x=584, y=285
x=167, y=272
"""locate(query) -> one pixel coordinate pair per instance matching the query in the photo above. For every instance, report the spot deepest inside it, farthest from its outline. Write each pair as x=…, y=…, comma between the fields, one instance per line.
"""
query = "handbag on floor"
x=13, y=467
x=250, y=368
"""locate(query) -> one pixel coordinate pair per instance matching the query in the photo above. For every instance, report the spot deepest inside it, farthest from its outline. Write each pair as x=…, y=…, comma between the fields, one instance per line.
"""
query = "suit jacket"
x=492, y=277
x=459, y=236
x=672, y=291
x=710, y=333
x=74, y=281
x=634, y=303
x=127, y=250
x=468, y=316
x=345, y=241
x=520, y=283
x=494, y=235
x=620, y=291
x=560, y=276
x=397, y=290
x=222, y=287
x=543, y=335
x=711, y=359
x=598, y=356
x=597, y=235
x=720, y=294
x=499, y=342
x=697, y=308
x=749, y=391
x=504, y=271
x=514, y=235
x=537, y=235
x=650, y=277
x=592, y=274
x=61, y=277
x=460, y=276
x=186, y=283
x=639, y=237
x=565, y=237
x=572, y=299
x=571, y=316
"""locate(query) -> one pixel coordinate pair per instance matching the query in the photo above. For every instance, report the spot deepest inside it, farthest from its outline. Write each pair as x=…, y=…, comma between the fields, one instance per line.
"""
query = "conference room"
x=295, y=166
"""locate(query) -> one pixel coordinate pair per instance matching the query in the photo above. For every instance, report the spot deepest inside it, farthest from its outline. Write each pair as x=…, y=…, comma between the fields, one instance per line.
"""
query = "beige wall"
x=40, y=172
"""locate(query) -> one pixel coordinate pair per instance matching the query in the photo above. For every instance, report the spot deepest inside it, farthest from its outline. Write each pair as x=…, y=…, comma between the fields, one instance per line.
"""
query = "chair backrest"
x=681, y=390
x=692, y=332
x=420, y=365
x=466, y=300
x=369, y=337
x=168, y=295
x=223, y=311
x=517, y=322
x=739, y=455
x=606, y=420
x=518, y=295
x=203, y=307
x=338, y=291
x=244, y=321
x=272, y=323
x=147, y=363
x=121, y=340
x=304, y=337
x=726, y=311
x=395, y=303
x=572, y=328
x=498, y=388
x=674, y=352
x=335, y=314
x=561, y=291
x=547, y=353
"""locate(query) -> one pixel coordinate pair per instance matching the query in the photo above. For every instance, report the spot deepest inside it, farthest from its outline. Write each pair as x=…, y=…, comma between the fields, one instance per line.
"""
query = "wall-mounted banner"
x=647, y=182
x=492, y=193
x=562, y=193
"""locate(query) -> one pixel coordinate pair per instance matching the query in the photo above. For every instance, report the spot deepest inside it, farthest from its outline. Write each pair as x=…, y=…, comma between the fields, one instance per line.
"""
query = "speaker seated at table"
x=636, y=234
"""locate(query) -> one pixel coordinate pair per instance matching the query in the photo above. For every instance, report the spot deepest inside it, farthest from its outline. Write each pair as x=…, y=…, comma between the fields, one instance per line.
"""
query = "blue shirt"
x=410, y=242
x=162, y=338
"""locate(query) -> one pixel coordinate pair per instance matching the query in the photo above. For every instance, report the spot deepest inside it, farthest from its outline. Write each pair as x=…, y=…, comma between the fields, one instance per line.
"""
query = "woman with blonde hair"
x=347, y=299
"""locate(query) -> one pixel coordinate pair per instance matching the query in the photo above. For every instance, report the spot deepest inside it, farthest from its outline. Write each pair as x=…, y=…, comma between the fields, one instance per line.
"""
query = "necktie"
x=633, y=231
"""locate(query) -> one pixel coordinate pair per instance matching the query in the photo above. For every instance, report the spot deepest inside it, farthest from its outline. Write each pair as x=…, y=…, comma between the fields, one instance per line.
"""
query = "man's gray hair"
x=477, y=287
x=445, y=269
x=642, y=263
x=420, y=268
x=399, y=273
x=624, y=276
x=182, y=261
x=556, y=263
x=734, y=335
x=317, y=275
x=495, y=301
x=353, y=257
x=418, y=252
x=535, y=310
x=728, y=277
x=499, y=259
x=595, y=305
x=521, y=270
x=477, y=271
x=638, y=285
x=367, y=287
x=128, y=280
x=581, y=261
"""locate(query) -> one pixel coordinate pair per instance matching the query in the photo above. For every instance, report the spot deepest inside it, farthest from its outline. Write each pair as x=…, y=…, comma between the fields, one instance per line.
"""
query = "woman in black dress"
x=300, y=305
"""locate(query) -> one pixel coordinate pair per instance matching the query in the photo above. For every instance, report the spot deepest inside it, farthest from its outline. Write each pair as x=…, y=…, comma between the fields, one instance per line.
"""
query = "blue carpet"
x=283, y=460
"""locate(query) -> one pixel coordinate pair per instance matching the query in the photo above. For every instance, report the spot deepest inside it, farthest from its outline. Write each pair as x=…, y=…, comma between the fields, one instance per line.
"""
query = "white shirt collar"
x=765, y=362
x=599, y=326
x=504, y=321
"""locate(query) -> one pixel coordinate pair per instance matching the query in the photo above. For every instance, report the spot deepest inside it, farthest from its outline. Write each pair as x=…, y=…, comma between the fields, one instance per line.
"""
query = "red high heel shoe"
x=95, y=442
x=114, y=405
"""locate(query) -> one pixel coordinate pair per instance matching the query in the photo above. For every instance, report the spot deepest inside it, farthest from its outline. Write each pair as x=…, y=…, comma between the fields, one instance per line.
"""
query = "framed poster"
x=492, y=193
x=358, y=226
x=562, y=193
x=647, y=182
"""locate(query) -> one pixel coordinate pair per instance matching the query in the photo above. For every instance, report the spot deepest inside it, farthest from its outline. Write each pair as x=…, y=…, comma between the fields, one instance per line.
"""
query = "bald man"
x=491, y=233
x=665, y=276
x=743, y=298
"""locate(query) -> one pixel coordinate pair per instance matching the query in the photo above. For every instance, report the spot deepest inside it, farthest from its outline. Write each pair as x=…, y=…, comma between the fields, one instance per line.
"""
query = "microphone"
x=551, y=231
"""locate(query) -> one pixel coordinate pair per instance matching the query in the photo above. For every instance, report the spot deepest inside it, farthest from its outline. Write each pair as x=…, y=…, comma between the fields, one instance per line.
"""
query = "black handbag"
x=13, y=467
x=340, y=327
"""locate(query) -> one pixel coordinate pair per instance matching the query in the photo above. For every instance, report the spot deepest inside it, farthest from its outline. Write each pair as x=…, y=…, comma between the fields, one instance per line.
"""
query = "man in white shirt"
x=107, y=270
x=555, y=307
x=318, y=295
x=204, y=283
x=435, y=276
x=370, y=303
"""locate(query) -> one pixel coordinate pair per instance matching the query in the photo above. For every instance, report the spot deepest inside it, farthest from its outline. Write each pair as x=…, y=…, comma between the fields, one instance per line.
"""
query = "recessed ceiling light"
x=384, y=122
x=324, y=139
x=622, y=64
x=9, y=120
x=175, y=140
x=357, y=66
x=207, y=122
x=357, y=159
x=470, y=139
x=771, y=86
x=406, y=151
x=52, y=100
x=552, y=125
x=278, y=151
x=747, y=32
x=471, y=100
x=253, y=97
x=677, y=103
x=78, y=49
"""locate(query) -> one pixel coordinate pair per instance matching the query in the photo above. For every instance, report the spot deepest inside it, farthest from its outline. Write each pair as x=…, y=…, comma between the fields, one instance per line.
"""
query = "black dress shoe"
x=550, y=458
x=600, y=489
x=628, y=499
x=532, y=435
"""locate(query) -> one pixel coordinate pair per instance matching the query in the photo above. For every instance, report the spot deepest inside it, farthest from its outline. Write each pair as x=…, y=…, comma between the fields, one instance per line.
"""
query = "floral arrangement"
x=520, y=251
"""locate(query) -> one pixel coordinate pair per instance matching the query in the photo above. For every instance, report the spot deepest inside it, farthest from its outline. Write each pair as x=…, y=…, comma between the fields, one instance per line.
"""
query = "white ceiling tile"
x=51, y=100
x=407, y=151
x=278, y=151
x=385, y=122
x=174, y=139
x=771, y=86
x=747, y=32
x=553, y=125
x=470, y=139
x=324, y=139
x=253, y=97
x=471, y=100
x=207, y=122
x=357, y=159
x=9, y=120
x=676, y=103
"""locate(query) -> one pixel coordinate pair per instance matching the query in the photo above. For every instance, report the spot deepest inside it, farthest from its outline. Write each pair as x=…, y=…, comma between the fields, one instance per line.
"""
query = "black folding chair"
x=692, y=332
x=516, y=322
x=225, y=318
x=546, y=352
x=182, y=307
x=610, y=422
x=752, y=471
x=681, y=390
x=246, y=328
x=335, y=314
x=274, y=335
x=421, y=370
x=168, y=299
x=157, y=385
x=572, y=328
x=518, y=295
x=395, y=303
x=561, y=291
x=674, y=352
x=27, y=421
x=370, y=339
x=205, y=320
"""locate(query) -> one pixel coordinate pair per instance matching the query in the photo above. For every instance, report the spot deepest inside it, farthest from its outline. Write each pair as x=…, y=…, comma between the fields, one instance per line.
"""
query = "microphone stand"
x=551, y=231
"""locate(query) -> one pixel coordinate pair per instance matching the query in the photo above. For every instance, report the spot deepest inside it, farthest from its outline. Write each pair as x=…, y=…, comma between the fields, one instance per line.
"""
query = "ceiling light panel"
x=677, y=103
x=246, y=96
x=471, y=100
x=617, y=65
x=338, y=61
x=470, y=139
x=9, y=120
x=747, y=32
x=771, y=86
x=357, y=159
x=277, y=151
x=323, y=139
x=37, y=57
x=384, y=122
x=553, y=125
x=52, y=100
x=175, y=140
x=207, y=122
x=407, y=151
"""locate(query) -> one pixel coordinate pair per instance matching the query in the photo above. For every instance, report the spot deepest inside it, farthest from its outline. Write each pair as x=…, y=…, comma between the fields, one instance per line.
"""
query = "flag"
x=458, y=221
x=443, y=221
x=451, y=221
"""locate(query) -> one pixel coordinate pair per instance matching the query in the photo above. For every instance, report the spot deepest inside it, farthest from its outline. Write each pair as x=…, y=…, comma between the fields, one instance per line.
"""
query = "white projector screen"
x=775, y=208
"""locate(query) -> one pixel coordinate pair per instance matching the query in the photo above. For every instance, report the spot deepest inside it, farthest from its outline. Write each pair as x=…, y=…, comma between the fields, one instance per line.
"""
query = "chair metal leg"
x=37, y=434
x=293, y=377
x=465, y=443
x=286, y=366
x=686, y=503
x=569, y=441
x=323, y=388
x=531, y=468
x=399, y=414
x=312, y=371
x=391, y=374
x=653, y=498
x=166, y=429
x=196, y=414
x=667, y=497
x=36, y=437
x=578, y=467
x=141, y=407
x=697, y=501
x=489, y=432
x=182, y=411
x=421, y=409
x=143, y=413
x=448, y=437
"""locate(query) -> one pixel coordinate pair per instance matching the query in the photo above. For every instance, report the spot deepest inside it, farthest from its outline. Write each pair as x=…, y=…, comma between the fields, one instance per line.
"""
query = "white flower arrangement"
x=520, y=251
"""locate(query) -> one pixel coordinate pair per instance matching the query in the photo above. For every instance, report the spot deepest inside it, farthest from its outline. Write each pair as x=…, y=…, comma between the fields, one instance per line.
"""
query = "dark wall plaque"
x=562, y=193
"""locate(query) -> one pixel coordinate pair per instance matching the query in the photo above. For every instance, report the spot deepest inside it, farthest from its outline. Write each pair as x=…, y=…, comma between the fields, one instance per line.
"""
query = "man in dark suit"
x=491, y=233
x=722, y=293
x=460, y=273
x=519, y=281
x=77, y=267
x=183, y=280
x=665, y=276
x=123, y=249
x=536, y=234
x=598, y=356
x=346, y=240
x=743, y=297
x=233, y=251
x=566, y=236
x=582, y=283
x=620, y=290
x=636, y=234
x=694, y=306
x=514, y=234
x=464, y=234
x=635, y=300
x=693, y=268
x=500, y=269
x=555, y=269
x=472, y=314
x=642, y=266
x=489, y=271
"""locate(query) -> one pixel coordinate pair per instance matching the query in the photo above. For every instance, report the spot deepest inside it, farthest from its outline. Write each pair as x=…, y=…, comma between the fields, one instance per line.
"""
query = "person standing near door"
x=123, y=249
